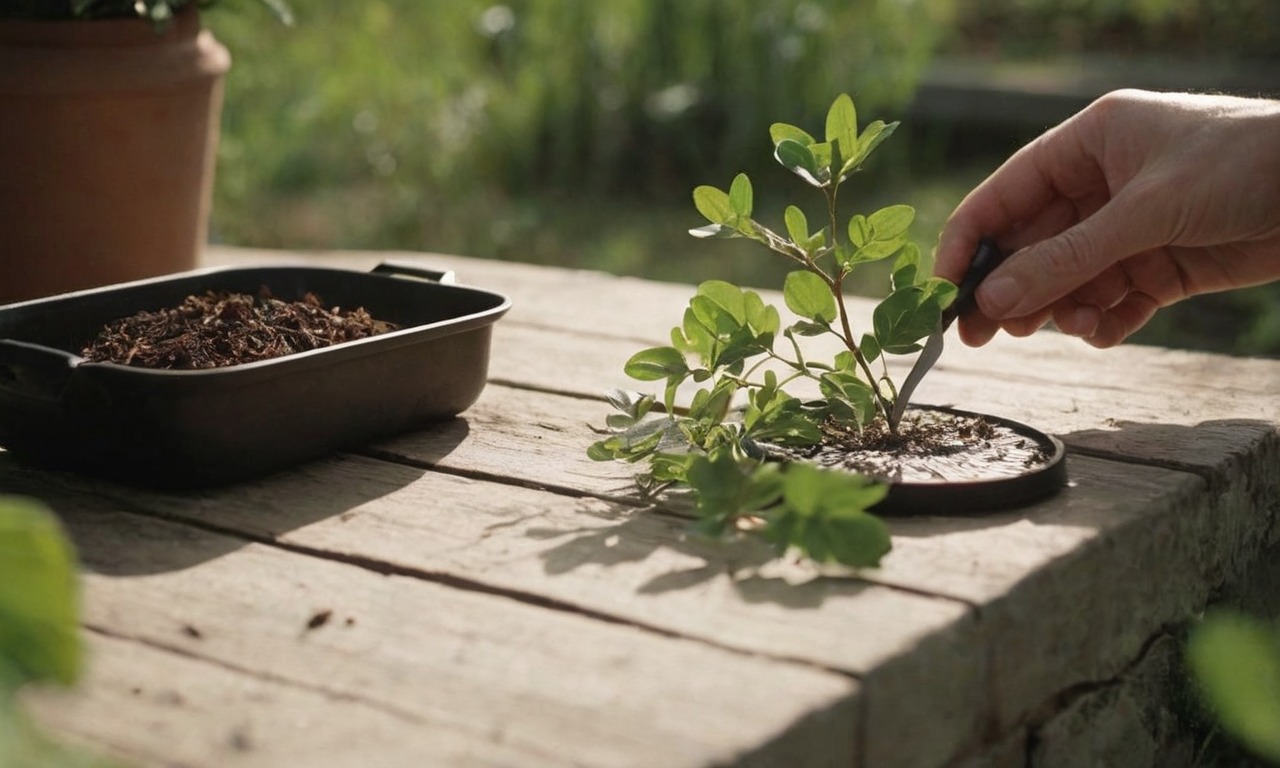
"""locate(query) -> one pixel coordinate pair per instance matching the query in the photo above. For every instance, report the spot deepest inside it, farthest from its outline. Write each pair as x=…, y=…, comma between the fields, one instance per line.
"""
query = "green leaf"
x=797, y=225
x=39, y=598
x=797, y=158
x=906, y=268
x=780, y=132
x=824, y=515
x=714, y=231
x=761, y=317
x=633, y=404
x=693, y=337
x=712, y=404
x=774, y=416
x=713, y=203
x=847, y=388
x=859, y=230
x=857, y=539
x=816, y=242
x=740, y=195
x=872, y=137
x=888, y=390
x=806, y=328
x=1236, y=661
x=724, y=491
x=891, y=222
x=904, y=318
x=656, y=363
x=869, y=347
x=716, y=318
x=822, y=153
x=808, y=295
x=727, y=296
x=842, y=126
x=939, y=291
x=601, y=451
x=636, y=443
x=877, y=250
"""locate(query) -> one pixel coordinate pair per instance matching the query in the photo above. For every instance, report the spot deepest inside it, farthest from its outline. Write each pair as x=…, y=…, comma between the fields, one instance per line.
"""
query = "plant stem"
x=885, y=405
x=837, y=288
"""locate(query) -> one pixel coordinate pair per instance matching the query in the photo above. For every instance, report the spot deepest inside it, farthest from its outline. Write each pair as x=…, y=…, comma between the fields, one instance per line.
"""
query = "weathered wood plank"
x=151, y=707
x=514, y=684
x=603, y=558
x=1125, y=551
x=1030, y=558
x=1210, y=415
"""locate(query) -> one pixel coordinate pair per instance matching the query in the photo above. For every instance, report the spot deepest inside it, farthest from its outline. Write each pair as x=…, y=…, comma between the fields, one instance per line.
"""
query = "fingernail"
x=998, y=295
x=1084, y=320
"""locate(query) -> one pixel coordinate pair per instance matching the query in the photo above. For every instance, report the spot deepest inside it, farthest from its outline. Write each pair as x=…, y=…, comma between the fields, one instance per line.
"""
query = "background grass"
x=572, y=131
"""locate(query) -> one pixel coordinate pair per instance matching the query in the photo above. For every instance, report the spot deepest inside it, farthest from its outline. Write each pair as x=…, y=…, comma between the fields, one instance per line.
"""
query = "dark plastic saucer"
x=972, y=497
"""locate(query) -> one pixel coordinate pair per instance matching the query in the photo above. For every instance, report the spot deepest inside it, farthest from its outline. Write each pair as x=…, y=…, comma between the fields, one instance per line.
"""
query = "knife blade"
x=985, y=259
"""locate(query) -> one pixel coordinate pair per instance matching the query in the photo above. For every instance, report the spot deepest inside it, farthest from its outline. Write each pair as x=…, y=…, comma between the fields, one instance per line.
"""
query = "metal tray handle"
x=34, y=370
x=410, y=269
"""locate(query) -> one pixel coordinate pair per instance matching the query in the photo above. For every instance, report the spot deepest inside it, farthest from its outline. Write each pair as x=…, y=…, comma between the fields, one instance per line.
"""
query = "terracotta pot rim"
x=67, y=57
x=101, y=33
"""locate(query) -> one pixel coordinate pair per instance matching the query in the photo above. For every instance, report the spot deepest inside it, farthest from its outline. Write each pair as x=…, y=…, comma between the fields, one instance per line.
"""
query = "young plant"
x=729, y=335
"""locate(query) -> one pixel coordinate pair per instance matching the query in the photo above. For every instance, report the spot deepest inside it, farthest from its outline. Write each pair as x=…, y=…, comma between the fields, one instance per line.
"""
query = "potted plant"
x=799, y=449
x=108, y=143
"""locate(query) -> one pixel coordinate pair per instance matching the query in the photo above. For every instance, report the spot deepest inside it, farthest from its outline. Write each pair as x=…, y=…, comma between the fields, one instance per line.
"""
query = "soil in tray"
x=222, y=328
x=930, y=447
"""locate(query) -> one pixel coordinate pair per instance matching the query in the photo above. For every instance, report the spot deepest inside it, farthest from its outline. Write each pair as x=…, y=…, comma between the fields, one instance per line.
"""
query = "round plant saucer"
x=945, y=461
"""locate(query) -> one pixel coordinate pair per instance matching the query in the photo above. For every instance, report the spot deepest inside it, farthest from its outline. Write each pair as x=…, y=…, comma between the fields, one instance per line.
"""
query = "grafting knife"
x=987, y=258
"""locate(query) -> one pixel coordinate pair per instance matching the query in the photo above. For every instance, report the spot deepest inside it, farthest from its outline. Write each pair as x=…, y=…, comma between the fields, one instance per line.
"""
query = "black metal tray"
x=192, y=428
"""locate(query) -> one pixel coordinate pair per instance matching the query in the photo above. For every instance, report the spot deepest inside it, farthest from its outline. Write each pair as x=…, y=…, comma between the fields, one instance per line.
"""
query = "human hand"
x=1139, y=201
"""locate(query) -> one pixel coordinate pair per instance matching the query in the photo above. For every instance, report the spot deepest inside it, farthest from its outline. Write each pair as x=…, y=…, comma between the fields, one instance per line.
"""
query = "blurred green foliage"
x=39, y=630
x=1181, y=28
x=572, y=132
x=463, y=126
x=1235, y=659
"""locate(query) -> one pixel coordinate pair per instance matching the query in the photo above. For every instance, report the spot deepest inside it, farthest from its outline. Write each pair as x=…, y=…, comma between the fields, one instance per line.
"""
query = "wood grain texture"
x=509, y=683
x=1124, y=551
x=501, y=582
x=591, y=555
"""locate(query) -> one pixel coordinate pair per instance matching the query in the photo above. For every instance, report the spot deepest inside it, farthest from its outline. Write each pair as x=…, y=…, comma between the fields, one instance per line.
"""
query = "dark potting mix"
x=929, y=446
x=220, y=328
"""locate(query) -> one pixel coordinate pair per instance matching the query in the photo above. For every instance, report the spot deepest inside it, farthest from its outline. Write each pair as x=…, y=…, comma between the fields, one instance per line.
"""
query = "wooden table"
x=481, y=593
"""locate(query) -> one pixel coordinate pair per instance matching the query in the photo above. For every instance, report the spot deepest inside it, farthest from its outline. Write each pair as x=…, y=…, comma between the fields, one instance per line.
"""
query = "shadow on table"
x=1213, y=449
x=123, y=530
x=751, y=566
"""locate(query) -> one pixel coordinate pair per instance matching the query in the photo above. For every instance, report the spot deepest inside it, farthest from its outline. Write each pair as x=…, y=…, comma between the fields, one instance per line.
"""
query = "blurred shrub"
x=1235, y=659
x=1237, y=28
x=411, y=112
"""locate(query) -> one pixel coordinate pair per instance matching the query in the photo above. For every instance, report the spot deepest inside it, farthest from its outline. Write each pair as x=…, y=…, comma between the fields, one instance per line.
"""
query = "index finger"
x=1058, y=164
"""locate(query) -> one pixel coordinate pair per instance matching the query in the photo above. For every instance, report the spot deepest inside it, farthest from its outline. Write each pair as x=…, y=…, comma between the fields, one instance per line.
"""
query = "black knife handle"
x=987, y=258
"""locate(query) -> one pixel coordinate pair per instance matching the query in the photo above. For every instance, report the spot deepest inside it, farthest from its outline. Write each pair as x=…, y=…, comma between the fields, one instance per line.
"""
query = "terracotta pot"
x=107, y=150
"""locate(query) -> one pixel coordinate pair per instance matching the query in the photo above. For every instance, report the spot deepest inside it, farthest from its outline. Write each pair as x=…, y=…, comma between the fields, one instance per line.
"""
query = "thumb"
x=1040, y=274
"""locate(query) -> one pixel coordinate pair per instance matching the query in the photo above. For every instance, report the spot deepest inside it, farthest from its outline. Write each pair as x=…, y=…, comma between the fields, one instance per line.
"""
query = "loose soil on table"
x=221, y=328
x=930, y=447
